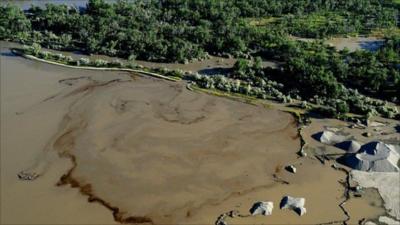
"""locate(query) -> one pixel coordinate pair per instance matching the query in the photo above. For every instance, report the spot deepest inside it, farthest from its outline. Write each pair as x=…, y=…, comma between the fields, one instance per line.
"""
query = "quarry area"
x=369, y=149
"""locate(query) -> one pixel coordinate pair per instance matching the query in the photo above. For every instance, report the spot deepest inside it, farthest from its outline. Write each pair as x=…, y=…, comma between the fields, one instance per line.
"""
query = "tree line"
x=184, y=30
x=337, y=82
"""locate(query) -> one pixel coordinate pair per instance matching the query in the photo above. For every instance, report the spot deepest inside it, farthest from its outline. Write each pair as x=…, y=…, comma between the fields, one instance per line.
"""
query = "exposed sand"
x=351, y=43
x=357, y=43
x=150, y=149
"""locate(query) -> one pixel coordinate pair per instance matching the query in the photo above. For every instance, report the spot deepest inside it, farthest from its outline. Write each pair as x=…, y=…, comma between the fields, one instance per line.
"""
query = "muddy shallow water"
x=27, y=124
x=148, y=149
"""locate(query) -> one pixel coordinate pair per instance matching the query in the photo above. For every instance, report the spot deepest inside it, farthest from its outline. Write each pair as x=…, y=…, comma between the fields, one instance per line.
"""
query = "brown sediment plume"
x=87, y=190
x=66, y=141
x=69, y=81
x=91, y=86
x=81, y=137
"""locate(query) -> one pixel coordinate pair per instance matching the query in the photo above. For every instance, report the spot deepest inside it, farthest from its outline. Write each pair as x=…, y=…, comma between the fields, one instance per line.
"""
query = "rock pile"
x=375, y=157
x=295, y=204
x=221, y=218
x=328, y=137
x=262, y=208
x=291, y=168
x=350, y=146
x=27, y=176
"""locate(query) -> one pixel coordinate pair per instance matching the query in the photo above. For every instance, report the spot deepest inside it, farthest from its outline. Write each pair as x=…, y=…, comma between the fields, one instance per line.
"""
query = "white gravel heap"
x=350, y=146
x=262, y=208
x=388, y=220
x=375, y=157
x=328, y=137
x=295, y=204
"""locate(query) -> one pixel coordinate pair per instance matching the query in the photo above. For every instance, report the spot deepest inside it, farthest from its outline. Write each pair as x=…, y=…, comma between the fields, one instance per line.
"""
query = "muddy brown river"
x=115, y=146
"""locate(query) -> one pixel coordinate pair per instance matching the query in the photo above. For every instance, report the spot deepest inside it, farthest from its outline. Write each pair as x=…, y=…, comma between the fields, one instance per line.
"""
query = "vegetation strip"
x=98, y=68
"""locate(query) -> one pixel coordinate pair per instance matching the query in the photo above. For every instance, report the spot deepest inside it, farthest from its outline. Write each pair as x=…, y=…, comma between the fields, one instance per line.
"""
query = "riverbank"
x=96, y=68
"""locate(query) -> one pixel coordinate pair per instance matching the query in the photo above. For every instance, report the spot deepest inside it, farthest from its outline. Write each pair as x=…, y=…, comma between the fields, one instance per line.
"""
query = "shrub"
x=36, y=48
x=304, y=105
x=132, y=65
x=236, y=85
x=83, y=62
x=115, y=63
x=100, y=63
x=176, y=73
x=58, y=57
x=132, y=57
x=69, y=60
x=342, y=107
x=246, y=89
x=324, y=111
x=44, y=54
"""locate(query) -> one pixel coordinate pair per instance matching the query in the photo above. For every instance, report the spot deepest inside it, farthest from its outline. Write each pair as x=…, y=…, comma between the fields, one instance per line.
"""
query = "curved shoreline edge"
x=95, y=68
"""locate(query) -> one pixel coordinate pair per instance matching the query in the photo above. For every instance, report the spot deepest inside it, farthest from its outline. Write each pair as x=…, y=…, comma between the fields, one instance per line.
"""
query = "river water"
x=149, y=147
x=26, y=127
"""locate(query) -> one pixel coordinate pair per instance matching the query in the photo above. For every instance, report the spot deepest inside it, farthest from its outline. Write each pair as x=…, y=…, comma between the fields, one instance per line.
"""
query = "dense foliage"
x=181, y=30
x=315, y=72
x=13, y=24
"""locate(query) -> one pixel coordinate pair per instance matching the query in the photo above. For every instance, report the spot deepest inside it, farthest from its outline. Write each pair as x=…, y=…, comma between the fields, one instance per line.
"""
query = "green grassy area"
x=319, y=19
x=317, y=24
x=323, y=24
x=386, y=31
x=261, y=21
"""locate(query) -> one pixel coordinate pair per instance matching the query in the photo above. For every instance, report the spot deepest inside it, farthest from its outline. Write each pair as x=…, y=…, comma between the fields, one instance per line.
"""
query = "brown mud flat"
x=150, y=151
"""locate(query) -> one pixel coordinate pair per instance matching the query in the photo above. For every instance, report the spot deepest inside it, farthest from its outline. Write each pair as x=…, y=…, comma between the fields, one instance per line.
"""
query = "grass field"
x=261, y=21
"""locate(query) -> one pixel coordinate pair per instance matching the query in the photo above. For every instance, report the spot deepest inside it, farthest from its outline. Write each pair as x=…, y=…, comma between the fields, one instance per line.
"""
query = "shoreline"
x=31, y=57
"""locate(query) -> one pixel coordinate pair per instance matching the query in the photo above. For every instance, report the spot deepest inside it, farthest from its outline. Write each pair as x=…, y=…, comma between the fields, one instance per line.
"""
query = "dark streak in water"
x=86, y=189
x=64, y=143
